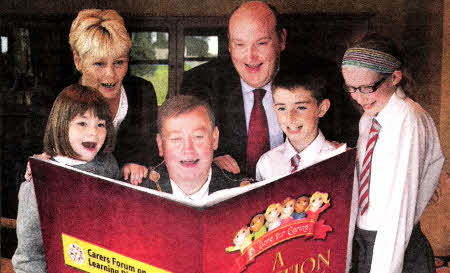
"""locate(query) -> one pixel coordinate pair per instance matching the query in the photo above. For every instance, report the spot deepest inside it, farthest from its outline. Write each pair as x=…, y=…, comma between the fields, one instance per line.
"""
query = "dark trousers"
x=418, y=258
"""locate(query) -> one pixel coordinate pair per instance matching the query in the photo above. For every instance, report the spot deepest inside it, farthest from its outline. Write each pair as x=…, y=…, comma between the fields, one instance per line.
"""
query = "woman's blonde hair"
x=100, y=33
x=75, y=100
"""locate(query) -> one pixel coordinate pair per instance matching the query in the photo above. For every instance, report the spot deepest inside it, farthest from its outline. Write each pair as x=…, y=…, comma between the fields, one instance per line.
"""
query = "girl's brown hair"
x=72, y=101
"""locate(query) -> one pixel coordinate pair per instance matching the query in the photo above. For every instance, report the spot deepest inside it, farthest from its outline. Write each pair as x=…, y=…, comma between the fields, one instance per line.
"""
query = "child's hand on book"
x=42, y=156
x=226, y=162
x=246, y=182
x=336, y=144
x=134, y=173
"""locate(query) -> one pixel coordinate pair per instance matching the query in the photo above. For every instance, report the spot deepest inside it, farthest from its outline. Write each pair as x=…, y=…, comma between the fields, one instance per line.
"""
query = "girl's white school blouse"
x=406, y=165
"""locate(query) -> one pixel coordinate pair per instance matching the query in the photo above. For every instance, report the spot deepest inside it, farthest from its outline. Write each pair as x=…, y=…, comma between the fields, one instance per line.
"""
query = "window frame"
x=176, y=27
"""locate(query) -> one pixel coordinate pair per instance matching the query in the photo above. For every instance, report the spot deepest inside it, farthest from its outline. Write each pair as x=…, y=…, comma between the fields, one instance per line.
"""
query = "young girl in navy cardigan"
x=80, y=134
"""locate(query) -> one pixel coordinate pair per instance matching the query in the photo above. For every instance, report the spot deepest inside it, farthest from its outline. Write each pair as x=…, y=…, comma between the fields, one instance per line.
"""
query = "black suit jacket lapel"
x=164, y=181
x=233, y=128
x=220, y=181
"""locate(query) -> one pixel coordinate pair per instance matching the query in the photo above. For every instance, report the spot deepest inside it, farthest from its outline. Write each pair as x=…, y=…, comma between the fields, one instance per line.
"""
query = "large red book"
x=94, y=224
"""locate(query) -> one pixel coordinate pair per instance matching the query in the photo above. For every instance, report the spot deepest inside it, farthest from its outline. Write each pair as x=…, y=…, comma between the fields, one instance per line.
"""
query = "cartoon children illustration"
x=282, y=216
x=288, y=208
x=273, y=213
x=317, y=204
x=241, y=240
x=300, y=206
x=257, y=226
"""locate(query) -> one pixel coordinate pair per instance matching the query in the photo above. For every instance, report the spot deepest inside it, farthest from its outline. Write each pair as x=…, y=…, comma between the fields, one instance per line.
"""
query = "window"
x=199, y=48
x=149, y=59
x=163, y=49
x=4, y=44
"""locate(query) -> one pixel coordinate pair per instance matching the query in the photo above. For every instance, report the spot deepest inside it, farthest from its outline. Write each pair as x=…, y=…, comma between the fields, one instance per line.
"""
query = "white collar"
x=123, y=109
x=248, y=89
x=386, y=114
x=68, y=161
x=197, y=196
x=311, y=151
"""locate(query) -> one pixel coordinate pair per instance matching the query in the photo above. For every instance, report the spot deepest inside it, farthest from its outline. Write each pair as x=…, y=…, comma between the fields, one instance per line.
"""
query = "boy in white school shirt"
x=300, y=100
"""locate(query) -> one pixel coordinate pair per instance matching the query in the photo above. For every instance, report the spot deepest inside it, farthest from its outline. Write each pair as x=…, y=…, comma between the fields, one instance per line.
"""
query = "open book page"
x=95, y=224
x=212, y=199
x=119, y=182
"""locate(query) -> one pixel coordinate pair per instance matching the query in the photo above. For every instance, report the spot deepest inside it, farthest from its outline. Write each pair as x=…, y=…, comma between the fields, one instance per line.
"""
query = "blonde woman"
x=100, y=46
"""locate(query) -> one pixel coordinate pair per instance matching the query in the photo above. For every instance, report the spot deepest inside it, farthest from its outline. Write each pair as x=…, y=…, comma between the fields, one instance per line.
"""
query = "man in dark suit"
x=187, y=137
x=256, y=41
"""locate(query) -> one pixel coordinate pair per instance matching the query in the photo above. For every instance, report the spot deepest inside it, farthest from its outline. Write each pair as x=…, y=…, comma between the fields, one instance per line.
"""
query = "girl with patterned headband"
x=399, y=161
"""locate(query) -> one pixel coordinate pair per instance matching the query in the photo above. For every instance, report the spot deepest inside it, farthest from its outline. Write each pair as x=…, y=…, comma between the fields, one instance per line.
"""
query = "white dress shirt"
x=123, y=109
x=200, y=195
x=68, y=161
x=277, y=161
x=406, y=165
x=275, y=133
